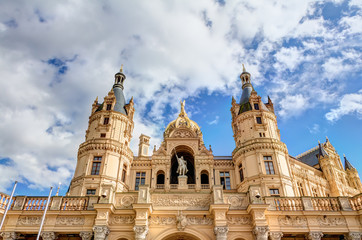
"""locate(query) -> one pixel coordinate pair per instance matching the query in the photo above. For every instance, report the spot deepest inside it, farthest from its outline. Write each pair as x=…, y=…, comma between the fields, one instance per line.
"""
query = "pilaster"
x=261, y=232
x=276, y=235
x=9, y=235
x=48, y=236
x=86, y=235
x=100, y=232
x=315, y=235
x=140, y=232
x=221, y=233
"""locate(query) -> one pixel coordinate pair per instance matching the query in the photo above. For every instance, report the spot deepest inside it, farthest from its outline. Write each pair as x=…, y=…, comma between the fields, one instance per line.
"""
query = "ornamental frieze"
x=24, y=221
x=293, y=221
x=331, y=221
x=167, y=220
x=237, y=202
x=125, y=201
x=187, y=201
x=128, y=219
x=238, y=220
x=70, y=221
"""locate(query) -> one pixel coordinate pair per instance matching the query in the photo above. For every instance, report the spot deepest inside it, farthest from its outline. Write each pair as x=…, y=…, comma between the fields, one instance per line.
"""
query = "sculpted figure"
x=182, y=166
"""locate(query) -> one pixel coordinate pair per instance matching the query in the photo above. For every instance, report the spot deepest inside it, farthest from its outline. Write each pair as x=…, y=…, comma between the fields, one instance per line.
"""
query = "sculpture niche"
x=182, y=166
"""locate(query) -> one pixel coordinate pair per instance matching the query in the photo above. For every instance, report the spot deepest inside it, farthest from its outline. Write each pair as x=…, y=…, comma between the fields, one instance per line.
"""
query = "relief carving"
x=28, y=221
x=127, y=201
x=70, y=221
x=238, y=220
x=331, y=221
x=237, y=202
x=294, y=221
x=157, y=220
x=195, y=220
x=123, y=219
x=181, y=201
x=182, y=134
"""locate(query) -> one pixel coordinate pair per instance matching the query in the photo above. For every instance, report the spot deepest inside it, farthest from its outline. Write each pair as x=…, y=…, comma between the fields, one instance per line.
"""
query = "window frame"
x=109, y=107
x=241, y=172
x=124, y=173
x=225, y=180
x=259, y=120
x=274, y=192
x=139, y=180
x=256, y=106
x=96, y=165
x=93, y=192
x=269, y=165
x=106, y=121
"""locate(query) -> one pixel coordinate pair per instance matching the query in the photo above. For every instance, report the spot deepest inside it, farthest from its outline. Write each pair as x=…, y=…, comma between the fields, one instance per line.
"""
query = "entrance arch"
x=188, y=234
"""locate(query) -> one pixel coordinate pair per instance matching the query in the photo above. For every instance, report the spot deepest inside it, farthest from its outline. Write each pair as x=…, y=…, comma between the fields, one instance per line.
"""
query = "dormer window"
x=109, y=107
x=256, y=106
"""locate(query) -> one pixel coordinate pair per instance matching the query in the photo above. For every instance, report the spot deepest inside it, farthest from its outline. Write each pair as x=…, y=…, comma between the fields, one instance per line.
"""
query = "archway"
x=204, y=177
x=181, y=236
x=187, y=154
x=160, y=177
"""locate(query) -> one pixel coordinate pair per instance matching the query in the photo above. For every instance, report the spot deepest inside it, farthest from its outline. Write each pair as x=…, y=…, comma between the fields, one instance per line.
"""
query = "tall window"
x=258, y=120
x=204, y=177
x=140, y=179
x=300, y=189
x=96, y=166
x=225, y=180
x=315, y=193
x=269, y=167
x=109, y=107
x=241, y=172
x=124, y=173
x=256, y=106
x=160, y=177
x=106, y=121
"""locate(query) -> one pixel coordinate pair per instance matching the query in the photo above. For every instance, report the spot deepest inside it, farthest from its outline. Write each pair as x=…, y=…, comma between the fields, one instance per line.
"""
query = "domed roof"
x=182, y=122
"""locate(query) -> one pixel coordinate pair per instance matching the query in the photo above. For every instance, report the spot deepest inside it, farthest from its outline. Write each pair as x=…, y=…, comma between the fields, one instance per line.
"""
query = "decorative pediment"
x=182, y=133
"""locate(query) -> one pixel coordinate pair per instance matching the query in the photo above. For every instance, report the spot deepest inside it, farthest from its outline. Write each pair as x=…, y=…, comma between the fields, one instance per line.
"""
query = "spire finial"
x=182, y=107
x=244, y=70
x=121, y=70
x=344, y=155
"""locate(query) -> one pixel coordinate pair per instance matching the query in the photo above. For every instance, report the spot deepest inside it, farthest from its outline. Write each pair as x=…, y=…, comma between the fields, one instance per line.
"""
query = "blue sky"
x=57, y=57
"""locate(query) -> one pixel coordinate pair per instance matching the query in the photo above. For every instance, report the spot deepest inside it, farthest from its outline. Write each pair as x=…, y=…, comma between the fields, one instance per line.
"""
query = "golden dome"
x=182, y=122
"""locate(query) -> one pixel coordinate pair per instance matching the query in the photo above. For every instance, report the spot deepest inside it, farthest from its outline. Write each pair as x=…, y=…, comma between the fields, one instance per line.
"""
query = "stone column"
x=140, y=232
x=86, y=235
x=276, y=235
x=48, y=236
x=221, y=233
x=100, y=232
x=261, y=232
x=9, y=235
x=315, y=235
x=354, y=236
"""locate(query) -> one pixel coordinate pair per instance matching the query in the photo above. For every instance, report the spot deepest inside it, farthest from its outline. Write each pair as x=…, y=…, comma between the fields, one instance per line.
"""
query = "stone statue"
x=182, y=166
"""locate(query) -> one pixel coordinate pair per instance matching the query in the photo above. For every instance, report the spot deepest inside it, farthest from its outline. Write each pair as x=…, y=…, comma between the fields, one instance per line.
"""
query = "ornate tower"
x=352, y=175
x=260, y=157
x=104, y=159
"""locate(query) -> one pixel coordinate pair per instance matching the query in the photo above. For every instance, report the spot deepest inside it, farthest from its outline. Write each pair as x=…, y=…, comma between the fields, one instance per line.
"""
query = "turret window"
x=269, y=167
x=300, y=189
x=241, y=172
x=109, y=107
x=256, y=106
x=124, y=173
x=106, y=121
x=91, y=192
x=225, y=180
x=96, y=166
x=140, y=179
x=258, y=120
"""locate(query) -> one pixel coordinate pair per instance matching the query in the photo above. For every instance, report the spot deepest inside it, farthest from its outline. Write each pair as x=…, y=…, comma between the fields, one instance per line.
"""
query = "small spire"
x=121, y=70
x=96, y=99
x=244, y=68
x=182, y=113
x=347, y=164
x=319, y=143
x=327, y=140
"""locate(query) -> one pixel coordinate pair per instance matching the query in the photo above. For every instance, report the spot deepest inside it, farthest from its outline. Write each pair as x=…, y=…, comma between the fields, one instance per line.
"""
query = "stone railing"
x=4, y=200
x=191, y=186
x=205, y=186
x=313, y=203
x=356, y=202
x=74, y=203
x=56, y=203
x=173, y=186
x=160, y=186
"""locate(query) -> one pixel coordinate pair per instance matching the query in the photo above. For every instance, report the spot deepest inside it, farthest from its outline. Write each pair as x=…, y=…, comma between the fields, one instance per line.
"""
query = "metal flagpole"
x=8, y=206
x=45, y=212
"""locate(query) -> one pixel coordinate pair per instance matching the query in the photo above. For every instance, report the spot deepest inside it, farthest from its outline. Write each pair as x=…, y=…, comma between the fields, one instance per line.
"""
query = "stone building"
x=259, y=192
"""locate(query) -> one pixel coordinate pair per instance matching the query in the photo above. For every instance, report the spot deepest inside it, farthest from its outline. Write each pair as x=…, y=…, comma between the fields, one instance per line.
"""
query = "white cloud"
x=314, y=129
x=169, y=53
x=349, y=104
x=215, y=121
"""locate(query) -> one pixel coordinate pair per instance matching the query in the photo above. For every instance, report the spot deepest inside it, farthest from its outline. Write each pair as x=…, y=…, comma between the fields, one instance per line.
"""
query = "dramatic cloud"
x=56, y=57
x=349, y=104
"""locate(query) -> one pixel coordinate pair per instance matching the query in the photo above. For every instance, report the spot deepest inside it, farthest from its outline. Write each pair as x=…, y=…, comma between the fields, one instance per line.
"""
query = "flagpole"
x=45, y=212
x=8, y=206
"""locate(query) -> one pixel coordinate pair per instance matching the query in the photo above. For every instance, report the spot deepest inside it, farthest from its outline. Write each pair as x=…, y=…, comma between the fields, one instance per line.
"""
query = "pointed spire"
x=347, y=164
x=121, y=70
x=327, y=140
x=320, y=153
x=96, y=99
x=244, y=68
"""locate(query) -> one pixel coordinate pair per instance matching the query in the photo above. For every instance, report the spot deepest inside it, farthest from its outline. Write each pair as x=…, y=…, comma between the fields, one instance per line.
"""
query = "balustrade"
x=288, y=204
x=173, y=186
x=192, y=186
x=74, y=203
x=4, y=200
x=35, y=203
x=160, y=186
x=325, y=204
x=205, y=186
x=356, y=202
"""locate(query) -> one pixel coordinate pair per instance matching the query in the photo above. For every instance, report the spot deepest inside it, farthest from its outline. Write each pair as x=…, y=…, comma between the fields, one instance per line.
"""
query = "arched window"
x=241, y=172
x=204, y=177
x=160, y=177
